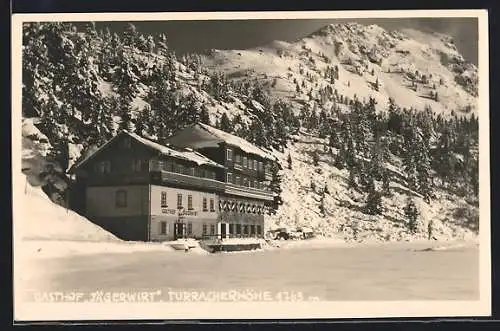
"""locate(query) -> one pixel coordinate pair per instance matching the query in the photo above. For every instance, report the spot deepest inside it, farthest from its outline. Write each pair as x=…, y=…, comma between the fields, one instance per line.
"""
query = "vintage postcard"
x=251, y=165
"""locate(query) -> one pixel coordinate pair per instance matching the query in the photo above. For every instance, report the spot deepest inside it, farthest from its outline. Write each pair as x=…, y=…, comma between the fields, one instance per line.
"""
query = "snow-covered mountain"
x=351, y=61
x=363, y=54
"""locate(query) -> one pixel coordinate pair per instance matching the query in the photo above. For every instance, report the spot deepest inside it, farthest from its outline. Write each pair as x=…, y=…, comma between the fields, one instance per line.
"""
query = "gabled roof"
x=210, y=134
x=188, y=155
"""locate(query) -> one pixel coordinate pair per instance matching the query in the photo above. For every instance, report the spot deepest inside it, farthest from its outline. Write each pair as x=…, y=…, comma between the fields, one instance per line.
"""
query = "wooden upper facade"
x=247, y=168
x=196, y=162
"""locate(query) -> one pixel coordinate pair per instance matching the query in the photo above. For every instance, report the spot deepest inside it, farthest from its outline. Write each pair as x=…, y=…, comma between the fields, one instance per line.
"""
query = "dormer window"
x=245, y=161
x=229, y=154
x=237, y=158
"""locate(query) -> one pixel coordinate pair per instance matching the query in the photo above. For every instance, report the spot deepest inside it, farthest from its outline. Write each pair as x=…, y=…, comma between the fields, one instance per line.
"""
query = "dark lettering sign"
x=169, y=211
x=190, y=213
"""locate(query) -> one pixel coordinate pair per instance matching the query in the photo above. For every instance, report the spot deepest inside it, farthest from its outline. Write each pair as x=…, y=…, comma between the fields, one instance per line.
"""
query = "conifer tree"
x=225, y=123
x=130, y=35
x=315, y=158
x=204, y=115
x=322, y=209
x=275, y=186
x=352, y=182
x=386, y=189
x=411, y=213
x=373, y=204
x=162, y=45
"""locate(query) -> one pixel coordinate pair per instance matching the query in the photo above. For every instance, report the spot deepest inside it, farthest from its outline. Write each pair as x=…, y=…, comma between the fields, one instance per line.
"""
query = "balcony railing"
x=167, y=177
x=248, y=192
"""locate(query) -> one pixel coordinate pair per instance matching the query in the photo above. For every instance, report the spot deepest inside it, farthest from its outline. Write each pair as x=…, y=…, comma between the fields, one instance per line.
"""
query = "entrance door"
x=178, y=230
x=223, y=230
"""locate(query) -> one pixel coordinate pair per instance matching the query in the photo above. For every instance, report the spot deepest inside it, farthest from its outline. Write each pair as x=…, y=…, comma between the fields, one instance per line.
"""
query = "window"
x=259, y=230
x=212, y=228
x=189, y=228
x=190, y=202
x=229, y=177
x=231, y=228
x=237, y=158
x=179, y=201
x=136, y=165
x=238, y=180
x=191, y=171
x=180, y=169
x=213, y=174
x=245, y=181
x=255, y=165
x=261, y=166
x=104, y=167
x=229, y=154
x=252, y=183
x=204, y=229
x=164, y=200
x=257, y=184
x=205, y=207
x=244, y=161
x=163, y=227
x=212, y=205
x=160, y=165
x=245, y=229
x=252, y=229
x=238, y=228
x=121, y=198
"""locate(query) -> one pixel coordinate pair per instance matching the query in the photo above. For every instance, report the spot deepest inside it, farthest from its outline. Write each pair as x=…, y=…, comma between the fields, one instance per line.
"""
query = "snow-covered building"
x=141, y=190
x=247, y=175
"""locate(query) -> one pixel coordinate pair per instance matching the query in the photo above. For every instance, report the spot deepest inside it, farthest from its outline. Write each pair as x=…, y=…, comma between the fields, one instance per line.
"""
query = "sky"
x=197, y=36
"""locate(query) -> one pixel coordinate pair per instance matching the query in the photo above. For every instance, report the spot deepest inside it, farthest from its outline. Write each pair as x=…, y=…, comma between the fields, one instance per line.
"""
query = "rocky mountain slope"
x=410, y=66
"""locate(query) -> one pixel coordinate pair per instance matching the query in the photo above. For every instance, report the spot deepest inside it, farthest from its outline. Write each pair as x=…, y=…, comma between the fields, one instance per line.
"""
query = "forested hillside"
x=346, y=159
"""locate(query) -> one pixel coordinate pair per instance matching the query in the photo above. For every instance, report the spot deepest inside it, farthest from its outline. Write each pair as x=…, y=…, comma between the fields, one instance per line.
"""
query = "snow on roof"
x=237, y=141
x=188, y=155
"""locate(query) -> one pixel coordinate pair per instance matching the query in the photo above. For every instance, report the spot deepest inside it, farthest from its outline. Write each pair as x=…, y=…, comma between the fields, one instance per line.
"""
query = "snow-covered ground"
x=395, y=271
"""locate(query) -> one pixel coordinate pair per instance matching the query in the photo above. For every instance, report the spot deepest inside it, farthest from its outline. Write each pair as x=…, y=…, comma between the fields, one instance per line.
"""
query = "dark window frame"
x=121, y=202
x=164, y=201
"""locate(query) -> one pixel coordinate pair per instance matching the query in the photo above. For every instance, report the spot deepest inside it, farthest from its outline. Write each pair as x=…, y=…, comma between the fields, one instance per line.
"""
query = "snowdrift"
x=40, y=218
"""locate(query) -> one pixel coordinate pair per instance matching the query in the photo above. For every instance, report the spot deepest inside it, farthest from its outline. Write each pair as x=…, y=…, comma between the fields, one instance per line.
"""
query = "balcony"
x=200, y=183
x=268, y=175
x=248, y=192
